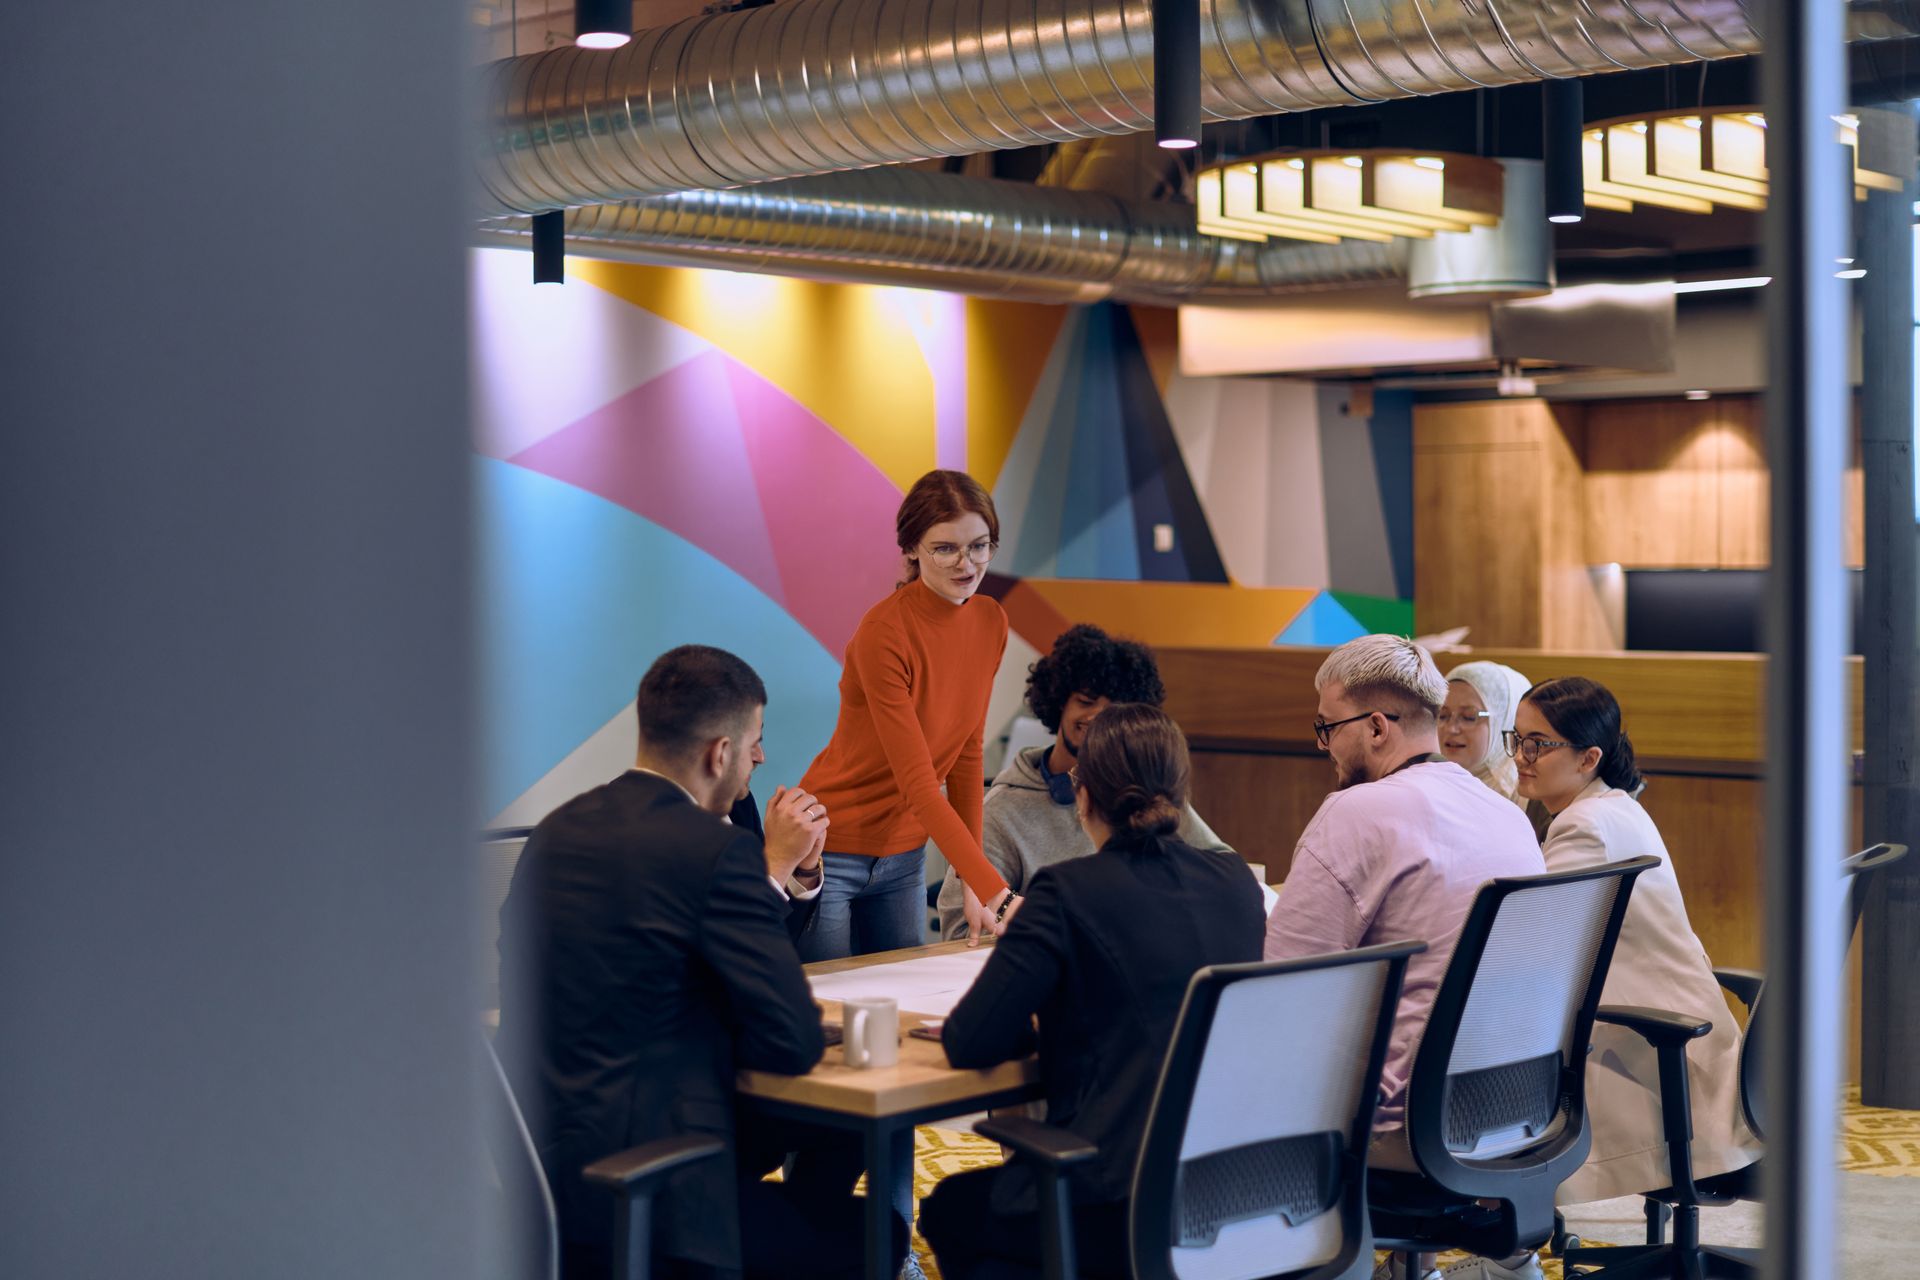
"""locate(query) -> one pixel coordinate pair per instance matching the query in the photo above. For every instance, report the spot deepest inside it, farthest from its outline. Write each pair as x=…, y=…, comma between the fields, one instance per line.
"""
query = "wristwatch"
x=1000, y=912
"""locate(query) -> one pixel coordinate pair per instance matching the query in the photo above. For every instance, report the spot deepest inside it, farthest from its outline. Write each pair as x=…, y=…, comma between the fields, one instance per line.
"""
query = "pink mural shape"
x=829, y=510
x=671, y=450
x=715, y=453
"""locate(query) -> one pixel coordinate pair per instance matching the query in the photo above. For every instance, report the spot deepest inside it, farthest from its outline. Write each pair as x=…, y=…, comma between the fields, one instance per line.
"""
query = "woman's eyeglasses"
x=948, y=556
x=1528, y=748
x=1464, y=720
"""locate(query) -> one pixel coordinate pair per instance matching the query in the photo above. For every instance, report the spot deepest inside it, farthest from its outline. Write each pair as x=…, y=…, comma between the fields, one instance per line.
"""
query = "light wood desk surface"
x=922, y=1078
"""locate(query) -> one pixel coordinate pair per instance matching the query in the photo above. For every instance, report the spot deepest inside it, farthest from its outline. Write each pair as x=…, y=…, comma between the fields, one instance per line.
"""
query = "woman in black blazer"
x=1101, y=952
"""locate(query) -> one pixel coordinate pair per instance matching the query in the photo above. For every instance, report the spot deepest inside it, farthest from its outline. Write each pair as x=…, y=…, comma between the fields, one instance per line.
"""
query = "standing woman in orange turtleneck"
x=913, y=715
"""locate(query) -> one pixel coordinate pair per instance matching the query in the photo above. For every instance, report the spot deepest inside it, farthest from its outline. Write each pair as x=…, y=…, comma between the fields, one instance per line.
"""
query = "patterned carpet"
x=1875, y=1141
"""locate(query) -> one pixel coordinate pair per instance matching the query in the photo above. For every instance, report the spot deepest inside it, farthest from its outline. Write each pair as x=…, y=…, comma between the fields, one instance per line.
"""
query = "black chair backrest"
x=526, y=1230
x=1499, y=1084
x=1859, y=870
x=1254, y=1161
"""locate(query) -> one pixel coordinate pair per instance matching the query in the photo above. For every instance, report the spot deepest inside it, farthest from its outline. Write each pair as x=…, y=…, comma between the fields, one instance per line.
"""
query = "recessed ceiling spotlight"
x=1852, y=273
x=1699, y=395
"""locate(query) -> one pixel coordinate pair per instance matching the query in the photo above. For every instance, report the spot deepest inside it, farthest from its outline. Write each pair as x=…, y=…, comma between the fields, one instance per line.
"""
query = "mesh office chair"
x=1254, y=1162
x=1680, y=1202
x=529, y=1247
x=1496, y=1105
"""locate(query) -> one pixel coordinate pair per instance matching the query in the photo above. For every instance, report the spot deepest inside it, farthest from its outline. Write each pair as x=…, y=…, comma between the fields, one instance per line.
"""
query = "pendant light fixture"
x=1562, y=117
x=1695, y=163
x=1176, y=73
x=602, y=24
x=550, y=247
x=1326, y=197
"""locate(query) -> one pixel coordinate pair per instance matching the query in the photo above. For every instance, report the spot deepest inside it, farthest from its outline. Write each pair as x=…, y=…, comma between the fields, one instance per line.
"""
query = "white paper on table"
x=930, y=985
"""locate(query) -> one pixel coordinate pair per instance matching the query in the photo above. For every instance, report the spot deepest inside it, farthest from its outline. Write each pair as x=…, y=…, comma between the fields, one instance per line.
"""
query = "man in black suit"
x=645, y=957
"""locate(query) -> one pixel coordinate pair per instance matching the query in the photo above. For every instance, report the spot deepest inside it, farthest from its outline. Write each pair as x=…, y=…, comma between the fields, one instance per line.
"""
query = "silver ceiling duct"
x=815, y=86
x=968, y=235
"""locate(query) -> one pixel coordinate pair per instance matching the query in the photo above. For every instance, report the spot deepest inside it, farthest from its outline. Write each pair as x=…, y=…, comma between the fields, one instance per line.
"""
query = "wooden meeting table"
x=883, y=1104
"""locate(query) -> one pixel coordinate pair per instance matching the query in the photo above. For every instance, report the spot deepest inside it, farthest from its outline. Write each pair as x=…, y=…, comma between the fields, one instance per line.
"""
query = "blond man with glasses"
x=1399, y=849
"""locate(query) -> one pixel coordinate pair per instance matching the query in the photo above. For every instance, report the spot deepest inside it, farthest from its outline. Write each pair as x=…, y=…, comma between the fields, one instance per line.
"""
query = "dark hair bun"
x=1134, y=769
x=1158, y=816
x=1617, y=767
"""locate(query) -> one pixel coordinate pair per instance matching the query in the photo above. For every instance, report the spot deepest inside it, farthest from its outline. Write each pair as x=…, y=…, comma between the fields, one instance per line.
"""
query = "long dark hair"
x=1135, y=769
x=1587, y=715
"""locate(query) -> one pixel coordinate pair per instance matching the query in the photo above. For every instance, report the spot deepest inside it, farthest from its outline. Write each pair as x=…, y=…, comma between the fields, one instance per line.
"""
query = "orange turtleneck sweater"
x=913, y=714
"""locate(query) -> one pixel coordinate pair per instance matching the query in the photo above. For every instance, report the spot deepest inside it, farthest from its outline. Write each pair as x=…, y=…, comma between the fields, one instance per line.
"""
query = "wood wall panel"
x=1653, y=490
x=1683, y=484
x=1475, y=479
x=1260, y=803
x=1571, y=616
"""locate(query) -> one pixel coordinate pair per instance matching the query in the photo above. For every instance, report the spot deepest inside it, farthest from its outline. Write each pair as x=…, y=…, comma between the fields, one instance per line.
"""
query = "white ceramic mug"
x=871, y=1031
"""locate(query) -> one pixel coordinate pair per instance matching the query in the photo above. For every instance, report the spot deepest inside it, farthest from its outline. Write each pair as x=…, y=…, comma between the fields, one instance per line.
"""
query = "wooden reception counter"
x=1696, y=721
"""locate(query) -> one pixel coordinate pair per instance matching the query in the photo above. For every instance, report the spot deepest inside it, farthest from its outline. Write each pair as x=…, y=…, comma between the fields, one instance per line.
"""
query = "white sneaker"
x=1488, y=1269
x=1395, y=1268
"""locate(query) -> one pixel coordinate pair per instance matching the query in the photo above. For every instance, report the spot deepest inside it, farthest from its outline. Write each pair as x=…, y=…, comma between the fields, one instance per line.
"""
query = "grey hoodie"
x=1023, y=830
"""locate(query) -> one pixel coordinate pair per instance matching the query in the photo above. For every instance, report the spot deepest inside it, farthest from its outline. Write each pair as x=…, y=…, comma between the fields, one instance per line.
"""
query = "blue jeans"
x=867, y=905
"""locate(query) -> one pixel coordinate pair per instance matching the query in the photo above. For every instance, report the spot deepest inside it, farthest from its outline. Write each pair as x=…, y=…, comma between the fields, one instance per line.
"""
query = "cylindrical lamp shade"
x=1176, y=73
x=1562, y=118
x=602, y=24
x=550, y=247
x=1513, y=259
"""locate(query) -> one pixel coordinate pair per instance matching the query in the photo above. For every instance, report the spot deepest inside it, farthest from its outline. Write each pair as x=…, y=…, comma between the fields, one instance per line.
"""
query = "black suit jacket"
x=1102, y=951
x=644, y=959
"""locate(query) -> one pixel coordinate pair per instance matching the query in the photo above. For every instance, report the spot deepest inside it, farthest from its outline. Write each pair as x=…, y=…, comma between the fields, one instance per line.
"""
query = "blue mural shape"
x=1323, y=622
x=1084, y=499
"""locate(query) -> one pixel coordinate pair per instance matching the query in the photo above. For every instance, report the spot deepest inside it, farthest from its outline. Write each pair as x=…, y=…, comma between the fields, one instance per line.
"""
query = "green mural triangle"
x=1381, y=614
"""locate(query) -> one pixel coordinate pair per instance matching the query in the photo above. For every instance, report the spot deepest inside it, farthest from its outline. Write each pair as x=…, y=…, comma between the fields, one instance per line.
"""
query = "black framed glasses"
x=1528, y=748
x=1323, y=729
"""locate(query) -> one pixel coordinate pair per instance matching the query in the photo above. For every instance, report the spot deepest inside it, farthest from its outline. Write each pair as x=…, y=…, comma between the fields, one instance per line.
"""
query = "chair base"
x=1664, y=1261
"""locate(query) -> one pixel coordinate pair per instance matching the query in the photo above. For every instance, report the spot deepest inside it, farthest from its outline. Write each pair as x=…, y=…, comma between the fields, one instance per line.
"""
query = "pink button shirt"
x=1394, y=860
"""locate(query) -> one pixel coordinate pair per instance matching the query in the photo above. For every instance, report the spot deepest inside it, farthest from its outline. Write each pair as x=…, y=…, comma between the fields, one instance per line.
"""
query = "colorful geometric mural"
x=690, y=456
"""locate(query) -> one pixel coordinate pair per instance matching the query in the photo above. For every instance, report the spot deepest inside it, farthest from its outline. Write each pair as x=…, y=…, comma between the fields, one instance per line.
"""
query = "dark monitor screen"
x=1710, y=610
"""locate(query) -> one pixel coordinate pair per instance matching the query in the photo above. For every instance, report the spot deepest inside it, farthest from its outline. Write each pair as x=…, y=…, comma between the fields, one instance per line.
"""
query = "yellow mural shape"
x=1214, y=615
x=1007, y=348
x=839, y=349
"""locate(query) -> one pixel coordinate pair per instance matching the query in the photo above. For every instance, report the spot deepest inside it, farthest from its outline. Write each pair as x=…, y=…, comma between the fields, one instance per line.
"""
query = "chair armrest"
x=627, y=1171
x=1049, y=1145
x=1745, y=984
x=1656, y=1026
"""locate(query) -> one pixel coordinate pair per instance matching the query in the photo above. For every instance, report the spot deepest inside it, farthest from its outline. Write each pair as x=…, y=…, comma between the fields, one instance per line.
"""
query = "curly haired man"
x=1029, y=820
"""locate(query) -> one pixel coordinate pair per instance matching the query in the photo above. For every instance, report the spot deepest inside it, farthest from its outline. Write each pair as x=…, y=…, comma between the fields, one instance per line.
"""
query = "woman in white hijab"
x=1481, y=700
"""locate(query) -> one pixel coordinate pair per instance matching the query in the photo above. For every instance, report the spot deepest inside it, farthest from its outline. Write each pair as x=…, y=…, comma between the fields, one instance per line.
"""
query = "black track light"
x=1562, y=117
x=550, y=248
x=1176, y=73
x=602, y=24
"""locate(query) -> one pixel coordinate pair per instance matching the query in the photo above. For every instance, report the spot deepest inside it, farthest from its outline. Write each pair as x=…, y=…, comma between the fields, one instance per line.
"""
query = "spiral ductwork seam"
x=815, y=86
x=972, y=235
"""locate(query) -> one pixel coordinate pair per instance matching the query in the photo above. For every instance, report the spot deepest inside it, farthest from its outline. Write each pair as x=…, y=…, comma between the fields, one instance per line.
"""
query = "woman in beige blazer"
x=1574, y=758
